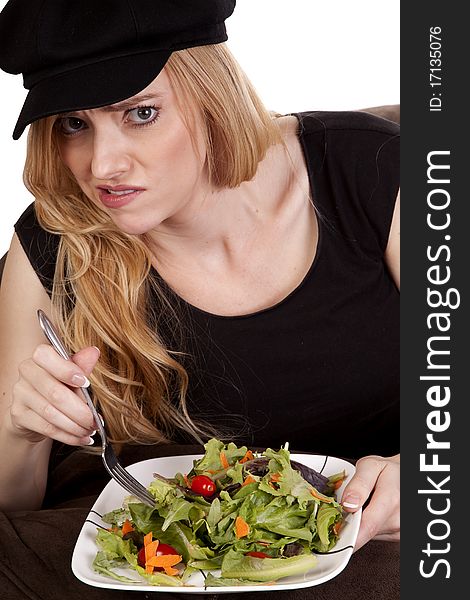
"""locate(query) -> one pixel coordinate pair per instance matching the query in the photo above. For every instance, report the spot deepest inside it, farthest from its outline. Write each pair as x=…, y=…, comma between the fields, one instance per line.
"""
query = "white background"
x=300, y=55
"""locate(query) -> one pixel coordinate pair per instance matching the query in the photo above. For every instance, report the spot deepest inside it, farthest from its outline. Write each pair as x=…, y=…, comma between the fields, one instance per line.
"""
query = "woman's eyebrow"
x=131, y=102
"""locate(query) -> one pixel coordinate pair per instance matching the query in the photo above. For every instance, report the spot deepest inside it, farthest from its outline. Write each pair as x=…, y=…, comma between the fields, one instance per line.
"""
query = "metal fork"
x=110, y=460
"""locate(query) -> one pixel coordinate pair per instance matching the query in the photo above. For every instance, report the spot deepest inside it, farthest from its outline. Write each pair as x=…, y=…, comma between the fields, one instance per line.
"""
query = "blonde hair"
x=102, y=285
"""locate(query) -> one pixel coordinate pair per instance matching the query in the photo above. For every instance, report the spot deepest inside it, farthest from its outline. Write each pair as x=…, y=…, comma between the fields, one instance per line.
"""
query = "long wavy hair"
x=102, y=285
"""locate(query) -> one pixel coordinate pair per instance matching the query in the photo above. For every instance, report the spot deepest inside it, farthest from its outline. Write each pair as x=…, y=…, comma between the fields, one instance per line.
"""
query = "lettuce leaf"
x=114, y=553
x=238, y=566
x=177, y=535
x=115, y=547
x=104, y=565
x=212, y=581
x=116, y=517
x=211, y=459
x=327, y=516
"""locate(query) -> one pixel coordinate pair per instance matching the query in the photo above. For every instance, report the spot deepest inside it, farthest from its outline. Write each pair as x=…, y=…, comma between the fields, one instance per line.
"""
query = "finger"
x=369, y=528
x=38, y=416
x=382, y=515
x=66, y=371
x=388, y=537
x=34, y=378
x=362, y=482
x=49, y=430
x=36, y=403
x=86, y=359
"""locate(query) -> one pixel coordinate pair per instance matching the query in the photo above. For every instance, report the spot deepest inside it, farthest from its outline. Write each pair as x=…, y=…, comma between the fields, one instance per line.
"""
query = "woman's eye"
x=71, y=125
x=142, y=115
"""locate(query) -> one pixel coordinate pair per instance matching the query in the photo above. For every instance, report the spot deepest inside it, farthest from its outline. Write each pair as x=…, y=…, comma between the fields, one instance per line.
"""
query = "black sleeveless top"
x=320, y=369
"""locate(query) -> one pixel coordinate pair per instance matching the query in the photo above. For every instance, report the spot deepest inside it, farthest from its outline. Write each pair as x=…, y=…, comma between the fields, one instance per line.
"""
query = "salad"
x=241, y=517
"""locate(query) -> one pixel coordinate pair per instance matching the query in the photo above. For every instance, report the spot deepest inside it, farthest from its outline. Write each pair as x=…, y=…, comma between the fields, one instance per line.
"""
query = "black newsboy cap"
x=88, y=53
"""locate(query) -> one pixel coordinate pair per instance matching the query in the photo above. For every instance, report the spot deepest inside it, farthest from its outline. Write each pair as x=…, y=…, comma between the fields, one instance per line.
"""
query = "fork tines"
x=127, y=481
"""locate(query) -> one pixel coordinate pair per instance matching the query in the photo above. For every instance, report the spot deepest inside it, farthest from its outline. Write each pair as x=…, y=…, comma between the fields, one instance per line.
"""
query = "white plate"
x=328, y=565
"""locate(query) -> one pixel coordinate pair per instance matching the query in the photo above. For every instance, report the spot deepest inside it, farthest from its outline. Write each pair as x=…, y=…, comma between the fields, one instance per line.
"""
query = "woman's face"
x=136, y=159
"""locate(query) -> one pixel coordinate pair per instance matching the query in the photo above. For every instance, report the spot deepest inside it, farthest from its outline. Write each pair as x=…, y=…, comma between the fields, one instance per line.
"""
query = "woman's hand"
x=378, y=478
x=45, y=404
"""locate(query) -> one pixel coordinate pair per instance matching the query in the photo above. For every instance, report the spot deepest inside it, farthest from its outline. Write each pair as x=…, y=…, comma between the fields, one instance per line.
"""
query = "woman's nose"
x=110, y=154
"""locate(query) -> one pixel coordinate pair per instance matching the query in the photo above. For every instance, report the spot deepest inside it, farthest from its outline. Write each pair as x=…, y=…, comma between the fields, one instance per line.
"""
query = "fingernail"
x=91, y=442
x=93, y=433
x=351, y=502
x=80, y=380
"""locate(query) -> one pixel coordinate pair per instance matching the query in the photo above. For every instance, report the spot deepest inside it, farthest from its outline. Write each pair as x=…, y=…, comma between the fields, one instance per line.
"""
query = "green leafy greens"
x=262, y=523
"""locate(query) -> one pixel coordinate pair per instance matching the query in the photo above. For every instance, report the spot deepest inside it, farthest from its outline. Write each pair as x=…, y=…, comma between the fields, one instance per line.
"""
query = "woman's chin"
x=134, y=226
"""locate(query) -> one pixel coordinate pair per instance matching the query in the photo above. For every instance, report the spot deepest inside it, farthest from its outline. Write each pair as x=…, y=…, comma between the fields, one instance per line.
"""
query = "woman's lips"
x=115, y=197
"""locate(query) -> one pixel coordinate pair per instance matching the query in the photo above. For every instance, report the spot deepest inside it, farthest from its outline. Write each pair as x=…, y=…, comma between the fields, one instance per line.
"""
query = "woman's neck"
x=219, y=223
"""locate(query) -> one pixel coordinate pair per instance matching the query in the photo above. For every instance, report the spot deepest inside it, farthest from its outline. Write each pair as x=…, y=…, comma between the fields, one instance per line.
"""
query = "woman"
x=214, y=268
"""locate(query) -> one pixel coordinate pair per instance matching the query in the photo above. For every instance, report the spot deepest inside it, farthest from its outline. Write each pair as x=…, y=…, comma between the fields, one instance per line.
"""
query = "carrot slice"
x=223, y=460
x=150, y=551
x=337, y=527
x=171, y=571
x=249, y=479
x=321, y=497
x=242, y=528
x=276, y=477
x=148, y=538
x=127, y=527
x=165, y=560
x=248, y=456
x=338, y=484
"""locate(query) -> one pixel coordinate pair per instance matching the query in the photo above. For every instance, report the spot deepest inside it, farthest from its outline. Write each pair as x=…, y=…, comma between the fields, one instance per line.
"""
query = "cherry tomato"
x=201, y=484
x=162, y=549
x=257, y=554
x=141, y=557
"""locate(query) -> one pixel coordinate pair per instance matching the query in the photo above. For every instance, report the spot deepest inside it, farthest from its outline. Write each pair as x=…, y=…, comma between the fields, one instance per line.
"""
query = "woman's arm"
x=35, y=405
x=22, y=477
x=392, y=252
